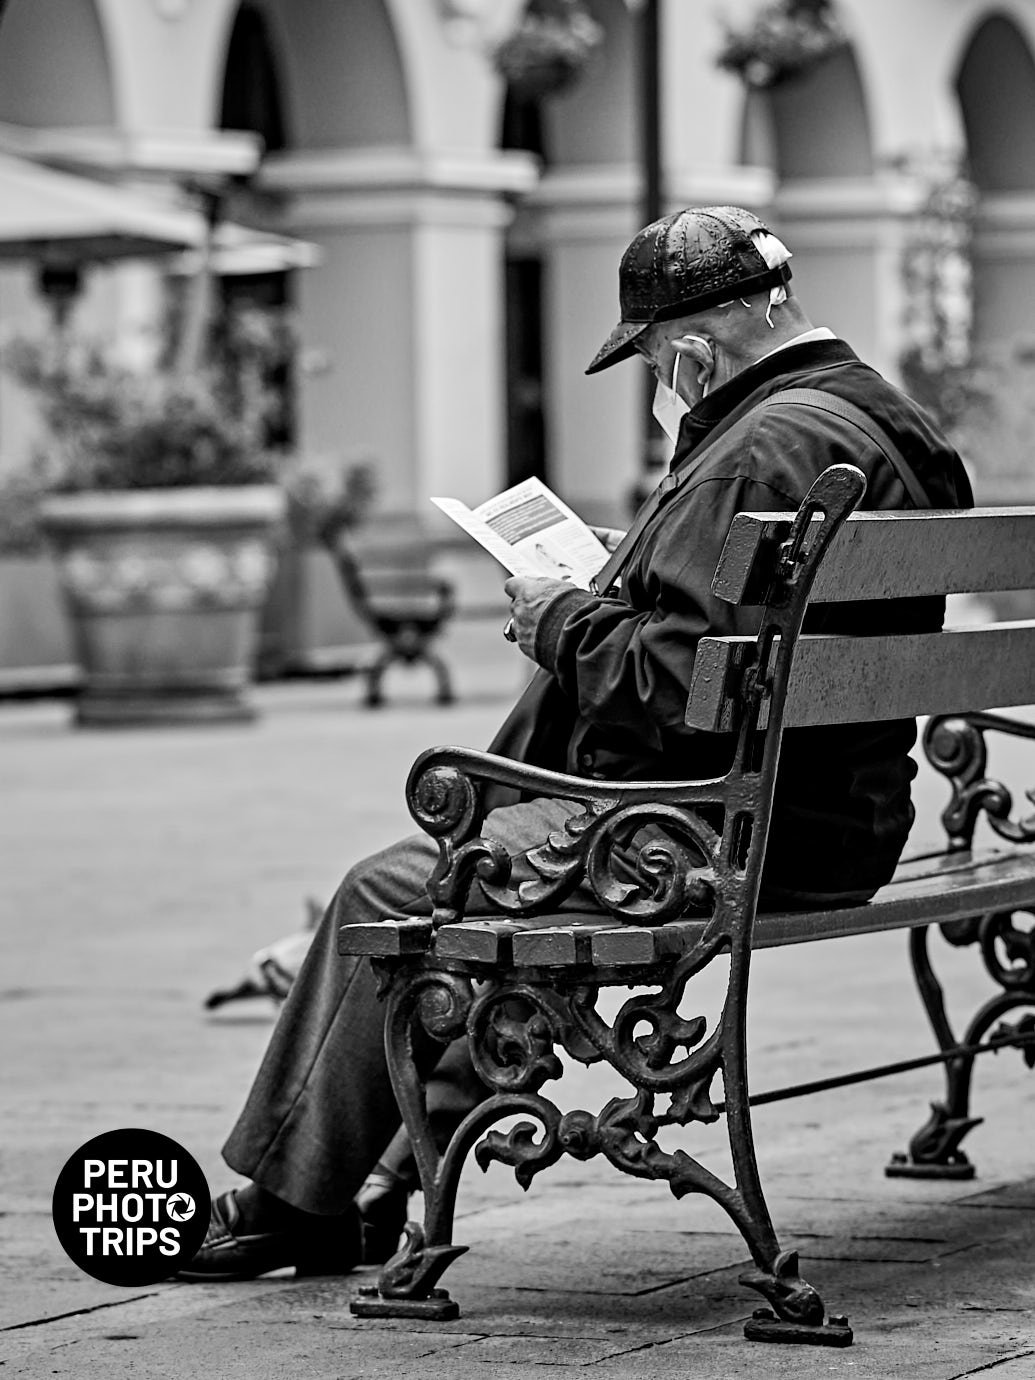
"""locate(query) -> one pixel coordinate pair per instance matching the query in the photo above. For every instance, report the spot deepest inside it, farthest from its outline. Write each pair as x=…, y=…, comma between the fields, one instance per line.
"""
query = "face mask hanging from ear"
x=669, y=408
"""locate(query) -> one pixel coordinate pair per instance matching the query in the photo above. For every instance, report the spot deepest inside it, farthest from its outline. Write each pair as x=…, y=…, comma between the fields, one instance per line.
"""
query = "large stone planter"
x=164, y=588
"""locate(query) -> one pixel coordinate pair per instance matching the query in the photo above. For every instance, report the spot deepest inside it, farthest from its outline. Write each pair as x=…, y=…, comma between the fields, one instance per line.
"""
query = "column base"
x=101, y=709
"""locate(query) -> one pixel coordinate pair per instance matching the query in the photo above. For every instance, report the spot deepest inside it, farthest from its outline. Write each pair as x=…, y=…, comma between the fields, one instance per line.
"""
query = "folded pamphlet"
x=531, y=531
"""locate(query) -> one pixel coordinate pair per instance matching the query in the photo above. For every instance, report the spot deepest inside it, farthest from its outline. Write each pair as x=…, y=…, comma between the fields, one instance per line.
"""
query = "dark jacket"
x=842, y=808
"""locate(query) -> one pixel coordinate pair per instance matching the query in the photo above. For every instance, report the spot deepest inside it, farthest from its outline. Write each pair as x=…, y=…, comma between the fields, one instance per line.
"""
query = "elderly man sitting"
x=706, y=303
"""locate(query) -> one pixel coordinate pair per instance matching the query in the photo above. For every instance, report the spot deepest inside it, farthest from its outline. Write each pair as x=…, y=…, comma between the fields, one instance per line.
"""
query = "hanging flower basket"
x=548, y=52
x=786, y=39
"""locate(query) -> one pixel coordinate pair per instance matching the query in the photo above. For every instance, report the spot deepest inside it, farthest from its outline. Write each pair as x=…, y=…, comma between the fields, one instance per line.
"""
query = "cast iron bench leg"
x=407, y=1284
x=375, y=675
x=407, y=653
x=442, y=677
x=1008, y=953
x=513, y=1026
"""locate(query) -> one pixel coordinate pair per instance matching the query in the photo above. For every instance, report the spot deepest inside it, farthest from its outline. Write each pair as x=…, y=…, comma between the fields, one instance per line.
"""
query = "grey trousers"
x=321, y=1109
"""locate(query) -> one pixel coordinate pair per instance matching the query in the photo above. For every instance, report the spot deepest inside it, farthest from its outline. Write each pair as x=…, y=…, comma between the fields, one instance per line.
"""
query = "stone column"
x=847, y=237
x=401, y=347
x=402, y=323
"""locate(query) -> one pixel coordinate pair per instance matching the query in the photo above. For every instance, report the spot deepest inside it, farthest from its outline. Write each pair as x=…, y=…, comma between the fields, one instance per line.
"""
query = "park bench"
x=387, y=577
x=526, y=984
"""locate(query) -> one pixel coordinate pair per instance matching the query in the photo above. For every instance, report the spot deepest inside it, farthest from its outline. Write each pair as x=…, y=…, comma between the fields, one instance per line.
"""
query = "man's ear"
x=698, y=349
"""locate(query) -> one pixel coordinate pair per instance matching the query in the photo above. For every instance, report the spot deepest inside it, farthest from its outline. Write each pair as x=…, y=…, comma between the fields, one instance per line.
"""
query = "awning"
x=56, y=217
x=59, y=219
x=238, y=249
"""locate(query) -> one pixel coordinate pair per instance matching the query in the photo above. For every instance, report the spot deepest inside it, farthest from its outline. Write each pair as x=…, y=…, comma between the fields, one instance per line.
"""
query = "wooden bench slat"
x=862, y=679
x=1003, y=882
x=379, y=940
x=889, y=555
x=478, y=941
x=926, y=890
x=965, y=886
x=635, y=946
x=566, y=944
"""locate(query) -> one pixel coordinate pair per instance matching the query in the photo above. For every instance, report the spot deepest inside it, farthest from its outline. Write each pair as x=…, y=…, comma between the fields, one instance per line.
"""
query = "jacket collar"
x=769, y=375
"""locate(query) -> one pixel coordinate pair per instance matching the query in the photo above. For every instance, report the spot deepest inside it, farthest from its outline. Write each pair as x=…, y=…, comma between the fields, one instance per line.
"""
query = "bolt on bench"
x=528, y=983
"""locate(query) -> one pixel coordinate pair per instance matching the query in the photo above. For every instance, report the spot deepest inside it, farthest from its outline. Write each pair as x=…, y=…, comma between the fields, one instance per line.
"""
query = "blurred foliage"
x=783, y=40
x=327, y=498
x=983, y=395
x=548, y=51
x=112, y=426
x=937, y=362
x=20, y=492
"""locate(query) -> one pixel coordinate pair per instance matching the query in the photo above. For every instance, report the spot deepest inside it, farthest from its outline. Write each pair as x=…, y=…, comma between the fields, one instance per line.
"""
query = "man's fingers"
x=609, y=537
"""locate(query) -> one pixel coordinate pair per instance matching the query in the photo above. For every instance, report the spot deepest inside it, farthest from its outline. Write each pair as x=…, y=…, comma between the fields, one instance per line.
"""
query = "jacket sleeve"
x=626, y=661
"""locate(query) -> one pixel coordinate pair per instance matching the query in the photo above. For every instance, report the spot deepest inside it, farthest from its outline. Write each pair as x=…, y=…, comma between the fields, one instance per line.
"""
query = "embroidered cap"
x=686, y=263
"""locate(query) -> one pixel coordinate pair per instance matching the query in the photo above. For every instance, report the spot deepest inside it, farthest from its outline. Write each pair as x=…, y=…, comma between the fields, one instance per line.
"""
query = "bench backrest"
x=387, y=573
x=700, y=844
x=876, y=556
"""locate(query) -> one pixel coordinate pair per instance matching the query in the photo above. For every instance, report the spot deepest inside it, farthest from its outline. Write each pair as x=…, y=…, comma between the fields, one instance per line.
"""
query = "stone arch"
x=251, y=96
x=995, y=87
x=343, y=82
x=815, y=126
x=54, y=65
x=995, y=84
x=591, y=124
x=588, y=138
x=814, y=133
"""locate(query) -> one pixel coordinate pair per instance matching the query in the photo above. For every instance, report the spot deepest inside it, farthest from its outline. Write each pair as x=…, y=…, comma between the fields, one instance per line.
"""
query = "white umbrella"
x=57, y=217
x=238, y=249
x=61, y=221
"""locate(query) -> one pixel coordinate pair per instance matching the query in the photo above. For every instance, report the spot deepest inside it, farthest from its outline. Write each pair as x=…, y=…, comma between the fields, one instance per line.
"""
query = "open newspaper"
x=531, y=531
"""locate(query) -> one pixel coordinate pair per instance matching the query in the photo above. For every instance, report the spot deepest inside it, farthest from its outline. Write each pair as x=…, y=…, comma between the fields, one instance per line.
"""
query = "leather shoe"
x=228, y=1253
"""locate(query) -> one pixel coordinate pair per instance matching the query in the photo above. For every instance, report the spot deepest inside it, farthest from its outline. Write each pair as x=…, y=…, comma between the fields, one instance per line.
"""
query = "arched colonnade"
x=388, y=153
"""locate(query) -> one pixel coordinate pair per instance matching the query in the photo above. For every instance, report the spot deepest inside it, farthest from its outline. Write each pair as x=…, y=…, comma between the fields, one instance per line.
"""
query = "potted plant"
x=160, y=503
x=549, y=49
x=784, y=40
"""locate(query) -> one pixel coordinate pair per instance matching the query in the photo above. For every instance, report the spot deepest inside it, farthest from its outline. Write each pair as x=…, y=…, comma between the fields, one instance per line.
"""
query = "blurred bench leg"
x=443, y=679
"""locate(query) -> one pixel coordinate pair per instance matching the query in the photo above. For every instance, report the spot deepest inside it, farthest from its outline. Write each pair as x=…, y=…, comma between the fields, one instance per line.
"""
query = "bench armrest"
x=643, y=848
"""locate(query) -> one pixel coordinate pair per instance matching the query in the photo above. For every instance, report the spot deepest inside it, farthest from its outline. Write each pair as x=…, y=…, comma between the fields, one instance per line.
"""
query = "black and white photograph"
x=517, y=689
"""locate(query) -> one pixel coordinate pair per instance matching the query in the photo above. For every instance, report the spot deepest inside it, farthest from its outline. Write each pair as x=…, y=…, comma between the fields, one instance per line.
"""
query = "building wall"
x=392, y=164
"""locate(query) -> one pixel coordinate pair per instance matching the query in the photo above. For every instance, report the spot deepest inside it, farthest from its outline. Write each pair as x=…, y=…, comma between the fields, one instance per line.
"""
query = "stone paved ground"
x=141, y=869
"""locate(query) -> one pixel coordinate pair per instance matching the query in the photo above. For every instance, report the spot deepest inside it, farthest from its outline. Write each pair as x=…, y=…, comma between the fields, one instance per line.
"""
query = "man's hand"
x=530, y=595
x=609, y=537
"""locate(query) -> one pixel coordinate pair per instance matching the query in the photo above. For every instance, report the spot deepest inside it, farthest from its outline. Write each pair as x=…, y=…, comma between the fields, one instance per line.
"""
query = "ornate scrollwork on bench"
x=647, y=853
x=1008, y=952
x=644, y=851
x=955, y=746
